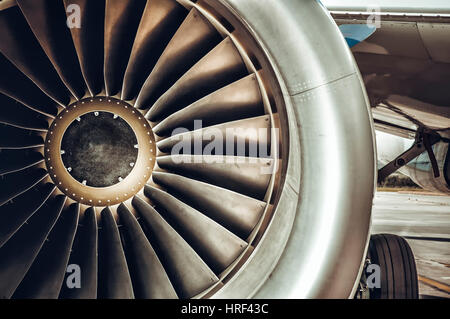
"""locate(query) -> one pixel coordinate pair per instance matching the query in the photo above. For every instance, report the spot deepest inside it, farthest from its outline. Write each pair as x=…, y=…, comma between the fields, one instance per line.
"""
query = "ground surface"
x=424, y=220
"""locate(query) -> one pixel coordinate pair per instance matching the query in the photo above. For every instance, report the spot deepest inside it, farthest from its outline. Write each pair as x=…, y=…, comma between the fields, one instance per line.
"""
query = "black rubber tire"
x=397, y=265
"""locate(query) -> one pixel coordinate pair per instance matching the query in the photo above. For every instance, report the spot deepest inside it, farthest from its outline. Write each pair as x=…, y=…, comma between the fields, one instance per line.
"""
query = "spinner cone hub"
x=100, y=151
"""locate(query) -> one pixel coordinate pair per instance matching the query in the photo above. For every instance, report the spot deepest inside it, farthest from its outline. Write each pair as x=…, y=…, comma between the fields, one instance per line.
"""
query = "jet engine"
x=181, y=149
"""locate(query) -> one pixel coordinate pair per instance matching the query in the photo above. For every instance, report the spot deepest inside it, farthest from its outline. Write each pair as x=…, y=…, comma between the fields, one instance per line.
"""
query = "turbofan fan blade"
x=17, y=160
x=193, y=39
x=48, y=22
x=246, y=133
x=187, y=271
x=160, y=20
x=221, y=66
x=13, y=216
x=16, y=85
x=20, y=46
x=87, y=35
x=17, y=138
x=217, y=246
x=18, y=183
x=149, y=277
x=240, y=214
x=241, y=99
x=46, y=276
x=248, y=176
x=84, y=254
x=114, y=280
x=121, y=22
x=18, y=115
x=18, y=254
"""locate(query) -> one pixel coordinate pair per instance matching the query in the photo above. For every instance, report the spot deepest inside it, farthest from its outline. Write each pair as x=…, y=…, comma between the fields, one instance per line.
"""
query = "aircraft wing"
x=405, y=63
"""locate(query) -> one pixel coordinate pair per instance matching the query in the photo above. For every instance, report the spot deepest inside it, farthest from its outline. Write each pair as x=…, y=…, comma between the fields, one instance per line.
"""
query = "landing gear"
x=390, y=271
x=424, y=142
